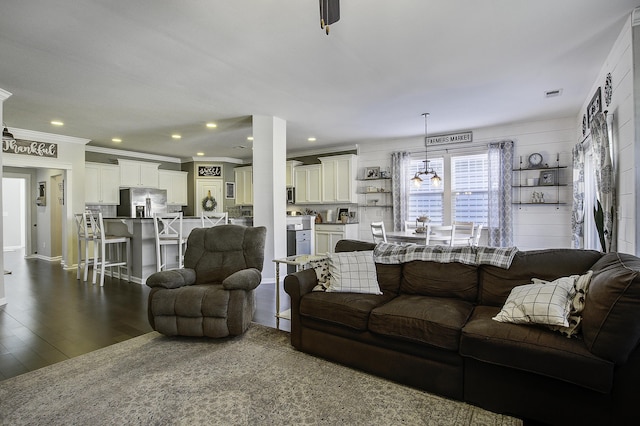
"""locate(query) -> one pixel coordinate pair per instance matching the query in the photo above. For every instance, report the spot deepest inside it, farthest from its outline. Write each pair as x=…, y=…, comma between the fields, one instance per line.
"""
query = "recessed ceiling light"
x=176, y=136
x=116, y=140
x=212, y=125
x=249, y=138
x=312, y=139
x=57, y=123
x=200, y=154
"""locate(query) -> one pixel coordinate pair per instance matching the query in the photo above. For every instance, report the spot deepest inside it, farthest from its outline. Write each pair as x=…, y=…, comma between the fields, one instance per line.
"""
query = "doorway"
x=203, y=187
x=16, y=212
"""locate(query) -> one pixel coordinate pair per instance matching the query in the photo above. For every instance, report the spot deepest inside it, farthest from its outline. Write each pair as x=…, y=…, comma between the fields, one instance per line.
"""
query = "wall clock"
x=535, y=160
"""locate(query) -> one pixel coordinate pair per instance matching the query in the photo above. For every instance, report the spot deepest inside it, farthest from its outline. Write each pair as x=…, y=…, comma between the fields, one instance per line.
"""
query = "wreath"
x=209, y=203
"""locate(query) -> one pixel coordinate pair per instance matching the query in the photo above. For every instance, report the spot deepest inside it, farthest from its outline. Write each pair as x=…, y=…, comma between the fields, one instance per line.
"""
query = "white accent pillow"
x=543, y=303
x=353, y=272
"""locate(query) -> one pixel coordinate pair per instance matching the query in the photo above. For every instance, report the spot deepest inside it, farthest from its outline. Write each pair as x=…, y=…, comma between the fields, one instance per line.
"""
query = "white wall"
x=620, y=63
x=13, y=221
x=535, y=227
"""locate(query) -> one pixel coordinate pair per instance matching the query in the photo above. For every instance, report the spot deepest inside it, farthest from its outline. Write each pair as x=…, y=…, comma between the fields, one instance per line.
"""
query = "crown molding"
x=133, y=154
x=4, y=94
x=324, y=150
x=635, y=17
x=216, y=160
x=32, y=135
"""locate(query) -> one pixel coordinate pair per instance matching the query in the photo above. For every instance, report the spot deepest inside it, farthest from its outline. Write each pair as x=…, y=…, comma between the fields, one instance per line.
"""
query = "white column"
x=269, y=187
x=3, y=299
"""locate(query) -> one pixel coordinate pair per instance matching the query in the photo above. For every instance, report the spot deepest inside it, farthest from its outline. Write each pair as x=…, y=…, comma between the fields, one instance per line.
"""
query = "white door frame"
x=27, y=207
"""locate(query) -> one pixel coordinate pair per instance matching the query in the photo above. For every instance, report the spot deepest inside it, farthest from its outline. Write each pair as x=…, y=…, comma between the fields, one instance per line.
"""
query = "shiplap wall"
x=535, y=227
x=620, y=64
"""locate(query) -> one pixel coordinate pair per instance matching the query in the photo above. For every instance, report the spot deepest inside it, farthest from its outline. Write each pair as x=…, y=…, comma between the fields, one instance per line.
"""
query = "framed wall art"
x=229, y=190
x=209, y=171
x=595, y=106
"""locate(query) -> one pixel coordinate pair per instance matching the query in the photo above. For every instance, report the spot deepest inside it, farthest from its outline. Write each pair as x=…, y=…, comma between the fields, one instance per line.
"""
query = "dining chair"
x=378, y=232
x=103, y=258
x=85, y=238
x=214, y=219
x=477, y=233
x=463, y=233
x=168, y=231
x=410, y=225
x=441, y=235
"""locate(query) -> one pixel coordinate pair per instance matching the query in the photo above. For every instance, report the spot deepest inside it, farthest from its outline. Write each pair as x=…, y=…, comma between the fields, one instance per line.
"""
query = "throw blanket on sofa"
x=391, y=254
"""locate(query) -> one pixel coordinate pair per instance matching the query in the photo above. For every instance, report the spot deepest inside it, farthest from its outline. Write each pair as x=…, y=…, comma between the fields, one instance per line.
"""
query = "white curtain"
x=500, y=197
x=400, y=162
x=578, y=209
x=605, y=182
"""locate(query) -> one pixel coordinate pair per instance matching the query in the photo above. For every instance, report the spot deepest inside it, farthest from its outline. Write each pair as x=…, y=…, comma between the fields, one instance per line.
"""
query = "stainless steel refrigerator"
x=142, y=202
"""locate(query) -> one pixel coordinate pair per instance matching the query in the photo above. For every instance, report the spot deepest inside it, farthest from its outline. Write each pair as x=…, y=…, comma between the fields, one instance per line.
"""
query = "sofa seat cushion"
x=434, y=321
x=534, y=349
x=346, y=309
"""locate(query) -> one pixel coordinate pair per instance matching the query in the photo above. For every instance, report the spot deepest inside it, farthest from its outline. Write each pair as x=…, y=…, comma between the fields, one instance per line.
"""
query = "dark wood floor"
x=50, y=316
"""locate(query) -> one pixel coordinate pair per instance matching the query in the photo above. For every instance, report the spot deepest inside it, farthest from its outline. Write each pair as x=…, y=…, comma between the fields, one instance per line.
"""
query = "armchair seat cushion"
x=192, y=301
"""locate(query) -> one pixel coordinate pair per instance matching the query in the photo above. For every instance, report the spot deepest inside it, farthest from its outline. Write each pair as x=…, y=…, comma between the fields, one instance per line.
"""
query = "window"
x=462, y=195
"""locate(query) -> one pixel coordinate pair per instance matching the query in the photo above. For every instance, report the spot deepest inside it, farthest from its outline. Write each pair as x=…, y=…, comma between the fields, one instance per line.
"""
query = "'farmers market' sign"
x=37, y=149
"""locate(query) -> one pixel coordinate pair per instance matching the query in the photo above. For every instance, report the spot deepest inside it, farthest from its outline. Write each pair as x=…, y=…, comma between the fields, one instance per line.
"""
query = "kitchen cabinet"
x=327, y=235
x=244, y=185
x=291, y=166
x=308, y=184
x=338, y=179
x=102, y=184
x=138, y=173
x=175, y=182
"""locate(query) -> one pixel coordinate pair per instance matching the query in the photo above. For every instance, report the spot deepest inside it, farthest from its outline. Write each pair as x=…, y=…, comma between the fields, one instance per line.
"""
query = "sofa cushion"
x=434, y=321
x=353, y=272
x=440, y=280
x=496, y=283
x=611, y=316
x=345, y=309
x=533, y=349
x=388, y=275
x=546, y=303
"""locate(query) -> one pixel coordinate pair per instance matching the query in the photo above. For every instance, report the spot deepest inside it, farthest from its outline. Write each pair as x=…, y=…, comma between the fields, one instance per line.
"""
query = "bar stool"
x=168, y=230
x=85, y=236
x=101, y=258
x=214, y=219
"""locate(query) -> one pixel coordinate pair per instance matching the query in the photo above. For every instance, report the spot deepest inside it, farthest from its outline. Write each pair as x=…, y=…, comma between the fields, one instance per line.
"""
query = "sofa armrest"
x=297, y=285
x=174, y=278
x=245, y=279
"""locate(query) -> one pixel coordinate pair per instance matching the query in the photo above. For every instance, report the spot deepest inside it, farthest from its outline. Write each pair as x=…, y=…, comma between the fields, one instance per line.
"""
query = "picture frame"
x=41, y=200
x=229, y=190
x=548, y=177
x=594, y=107
x=209, y=170
x=342, y=211
x=372, y=172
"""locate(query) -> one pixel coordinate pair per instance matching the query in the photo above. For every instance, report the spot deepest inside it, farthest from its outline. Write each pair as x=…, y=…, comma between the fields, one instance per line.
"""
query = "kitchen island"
x=143, y=243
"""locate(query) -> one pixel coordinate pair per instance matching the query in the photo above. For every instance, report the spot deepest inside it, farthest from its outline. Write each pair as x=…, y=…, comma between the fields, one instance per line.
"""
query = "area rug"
x=257, y=378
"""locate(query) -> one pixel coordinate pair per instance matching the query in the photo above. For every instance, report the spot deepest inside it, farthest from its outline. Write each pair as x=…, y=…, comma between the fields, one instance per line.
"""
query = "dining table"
x=410, y=236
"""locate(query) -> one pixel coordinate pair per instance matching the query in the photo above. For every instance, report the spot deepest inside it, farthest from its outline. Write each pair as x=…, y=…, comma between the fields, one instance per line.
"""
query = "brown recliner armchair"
x=213, y=295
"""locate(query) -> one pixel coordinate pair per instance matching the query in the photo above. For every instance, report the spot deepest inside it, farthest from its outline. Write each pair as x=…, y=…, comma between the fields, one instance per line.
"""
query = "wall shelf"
x=539, y=198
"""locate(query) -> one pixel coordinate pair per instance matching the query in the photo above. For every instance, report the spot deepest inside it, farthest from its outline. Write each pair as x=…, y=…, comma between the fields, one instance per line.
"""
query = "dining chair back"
x=441, y=235
x=463, y=233
x=103, y=259
x=477, y=233
x=214, y=219
x=378, y=232
x=168, y=231
x=85, y=238
x=410, y=225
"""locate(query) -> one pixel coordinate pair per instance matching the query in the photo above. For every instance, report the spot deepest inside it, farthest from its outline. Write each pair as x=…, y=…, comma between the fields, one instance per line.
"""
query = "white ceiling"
x=144, y=69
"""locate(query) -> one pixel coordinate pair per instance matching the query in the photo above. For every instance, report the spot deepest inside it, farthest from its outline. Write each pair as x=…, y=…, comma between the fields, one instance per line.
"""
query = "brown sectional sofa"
x=432, y=328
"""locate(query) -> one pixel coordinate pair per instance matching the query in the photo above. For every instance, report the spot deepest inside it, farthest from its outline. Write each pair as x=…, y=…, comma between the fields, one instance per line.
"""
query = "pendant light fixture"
x=435, y=179
x=329, y=13
x=6, y=136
